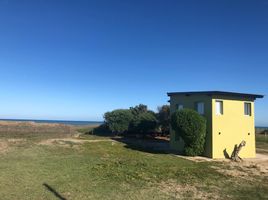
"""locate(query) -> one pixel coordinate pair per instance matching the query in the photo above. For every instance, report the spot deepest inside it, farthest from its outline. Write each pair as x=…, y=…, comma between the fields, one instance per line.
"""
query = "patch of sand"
x=69, y=141
x=196, y=158
x=16, y=140
x=260, y=163
x=185, y=191
x=3, y=146
x=246, y=169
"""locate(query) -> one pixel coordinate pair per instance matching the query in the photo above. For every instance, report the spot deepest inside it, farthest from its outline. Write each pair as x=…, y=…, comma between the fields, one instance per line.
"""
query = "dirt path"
x=71, y=140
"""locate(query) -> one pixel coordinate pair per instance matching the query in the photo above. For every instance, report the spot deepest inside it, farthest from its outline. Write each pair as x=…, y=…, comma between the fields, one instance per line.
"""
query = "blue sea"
x=76, y=123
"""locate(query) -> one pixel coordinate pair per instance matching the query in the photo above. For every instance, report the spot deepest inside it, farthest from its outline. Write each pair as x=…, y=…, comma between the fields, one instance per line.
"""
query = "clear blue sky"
x=77, y=59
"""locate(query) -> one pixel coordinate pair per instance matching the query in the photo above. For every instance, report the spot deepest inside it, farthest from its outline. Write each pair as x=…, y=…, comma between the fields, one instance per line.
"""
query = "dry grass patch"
x=30, y=129
x=186, y=191
x=3, y=146
x=16, y=140
x=69, y=142
x=246, y=170
x=6, y=144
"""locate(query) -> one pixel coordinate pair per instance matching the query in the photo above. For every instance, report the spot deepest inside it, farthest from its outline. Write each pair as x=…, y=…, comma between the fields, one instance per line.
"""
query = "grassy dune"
x=46, y=166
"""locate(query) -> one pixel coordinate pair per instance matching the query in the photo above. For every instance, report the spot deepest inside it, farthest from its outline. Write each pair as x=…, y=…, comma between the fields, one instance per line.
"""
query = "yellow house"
x=230, y=120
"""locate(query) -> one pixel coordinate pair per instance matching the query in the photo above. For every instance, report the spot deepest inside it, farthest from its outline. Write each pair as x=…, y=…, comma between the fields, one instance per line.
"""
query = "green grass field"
x=34, y=167
x=262, y=143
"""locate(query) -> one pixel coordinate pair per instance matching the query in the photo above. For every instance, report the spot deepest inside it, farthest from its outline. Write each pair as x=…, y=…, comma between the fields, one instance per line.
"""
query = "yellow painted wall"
x=234, y=127
x=190, y=102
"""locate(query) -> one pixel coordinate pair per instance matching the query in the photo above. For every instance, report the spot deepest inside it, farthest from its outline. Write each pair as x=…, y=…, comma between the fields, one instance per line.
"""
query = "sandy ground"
x=248, y=167
x=178, y=190
x=5, y=144
x=70, y=140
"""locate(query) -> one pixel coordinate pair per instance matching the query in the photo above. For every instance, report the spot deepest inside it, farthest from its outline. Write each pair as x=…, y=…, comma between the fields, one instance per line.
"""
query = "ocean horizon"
x=67, y=122
x=75, y=122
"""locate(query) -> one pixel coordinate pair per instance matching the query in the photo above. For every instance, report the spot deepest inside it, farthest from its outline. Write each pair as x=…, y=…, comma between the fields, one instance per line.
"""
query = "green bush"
x=163, y=117
x=139, y=109
x=118, y=120
x=138, y=120
x=102, y=130
x=191, y=127
x=143, y=123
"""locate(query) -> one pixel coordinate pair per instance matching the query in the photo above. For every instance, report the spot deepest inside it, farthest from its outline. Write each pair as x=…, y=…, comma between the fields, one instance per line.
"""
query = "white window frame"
x=247, y=109
x=179, y=106
x=219, y=107
x=200, y=107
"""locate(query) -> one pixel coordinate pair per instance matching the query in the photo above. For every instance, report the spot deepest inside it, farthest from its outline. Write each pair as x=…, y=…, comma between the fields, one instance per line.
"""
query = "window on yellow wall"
x=179, y=106
x=200, y=108
x=247, y=109
x=219, y=107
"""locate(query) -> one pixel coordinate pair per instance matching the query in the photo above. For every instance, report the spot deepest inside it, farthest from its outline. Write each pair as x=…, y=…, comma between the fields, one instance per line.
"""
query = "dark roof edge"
x=217, y=93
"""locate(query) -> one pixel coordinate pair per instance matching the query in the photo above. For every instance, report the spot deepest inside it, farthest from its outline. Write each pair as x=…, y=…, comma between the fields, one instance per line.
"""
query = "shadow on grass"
x=56, y=194
x=147, y=144
x=101, y=130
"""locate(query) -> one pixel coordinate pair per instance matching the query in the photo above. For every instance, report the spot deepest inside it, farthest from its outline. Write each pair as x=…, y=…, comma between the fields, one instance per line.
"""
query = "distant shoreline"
x=66, y=122
x=74, y=122
x=261, y=127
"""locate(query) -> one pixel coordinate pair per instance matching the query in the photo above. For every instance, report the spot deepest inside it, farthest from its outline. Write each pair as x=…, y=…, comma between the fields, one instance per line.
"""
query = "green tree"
x=143, y=123
x=163, y=117
x=118, y=120
x=191, y=127
x=141, y=108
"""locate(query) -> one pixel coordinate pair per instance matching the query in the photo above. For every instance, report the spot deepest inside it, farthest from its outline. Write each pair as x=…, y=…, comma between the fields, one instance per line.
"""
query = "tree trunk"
x=235, y=155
